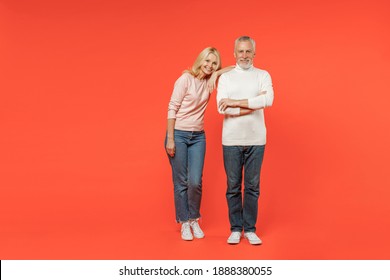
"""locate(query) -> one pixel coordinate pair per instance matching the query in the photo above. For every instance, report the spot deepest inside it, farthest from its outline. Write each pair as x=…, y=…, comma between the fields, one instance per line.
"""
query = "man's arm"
x=222, y=93
x=243, y=112
x=263, y=99
x=242, y=103
x=266, y=99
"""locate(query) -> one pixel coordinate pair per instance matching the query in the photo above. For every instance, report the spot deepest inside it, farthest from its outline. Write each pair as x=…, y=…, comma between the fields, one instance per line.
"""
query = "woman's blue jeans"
x=187, y=169
x=243, y=212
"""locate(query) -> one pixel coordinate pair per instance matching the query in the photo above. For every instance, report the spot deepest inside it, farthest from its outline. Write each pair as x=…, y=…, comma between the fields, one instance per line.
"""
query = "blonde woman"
x=185, y=141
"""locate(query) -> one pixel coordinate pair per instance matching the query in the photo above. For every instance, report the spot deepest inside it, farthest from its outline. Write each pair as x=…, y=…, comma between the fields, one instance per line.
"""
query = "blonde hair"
x=195, y=69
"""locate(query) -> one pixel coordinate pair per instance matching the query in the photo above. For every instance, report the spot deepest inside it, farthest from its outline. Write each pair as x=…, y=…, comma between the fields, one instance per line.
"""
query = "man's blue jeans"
x=243, y=212
x=187, y=170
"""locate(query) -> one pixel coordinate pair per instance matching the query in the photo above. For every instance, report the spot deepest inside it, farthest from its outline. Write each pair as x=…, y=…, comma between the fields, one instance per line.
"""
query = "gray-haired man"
x=243, y=93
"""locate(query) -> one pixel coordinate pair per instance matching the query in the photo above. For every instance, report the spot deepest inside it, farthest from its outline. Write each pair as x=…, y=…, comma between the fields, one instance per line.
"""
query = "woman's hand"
x=211, y=83
x=170, y=147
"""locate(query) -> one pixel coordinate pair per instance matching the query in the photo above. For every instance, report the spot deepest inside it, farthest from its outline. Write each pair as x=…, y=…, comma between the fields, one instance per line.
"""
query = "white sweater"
x=246, y=130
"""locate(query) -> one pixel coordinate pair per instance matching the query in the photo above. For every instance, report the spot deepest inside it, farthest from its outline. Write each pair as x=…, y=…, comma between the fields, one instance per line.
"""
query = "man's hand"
x=227, y=102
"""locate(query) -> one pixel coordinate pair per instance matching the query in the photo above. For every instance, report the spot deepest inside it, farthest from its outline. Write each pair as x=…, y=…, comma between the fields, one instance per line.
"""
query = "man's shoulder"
x=229, y=74
x=260, y=71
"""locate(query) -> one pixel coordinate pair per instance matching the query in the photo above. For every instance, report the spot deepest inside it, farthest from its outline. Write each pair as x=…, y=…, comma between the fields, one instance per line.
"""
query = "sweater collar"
x=242, y=69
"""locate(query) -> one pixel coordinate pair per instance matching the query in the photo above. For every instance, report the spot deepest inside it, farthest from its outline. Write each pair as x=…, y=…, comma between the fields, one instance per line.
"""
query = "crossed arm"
x=242, y=105
x=239, y=107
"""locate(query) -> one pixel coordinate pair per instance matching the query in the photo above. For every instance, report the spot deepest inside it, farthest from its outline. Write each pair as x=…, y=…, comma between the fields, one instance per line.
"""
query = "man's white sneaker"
x=186, y=231
x=234, y=237
x=198, y=233
x=252, y=238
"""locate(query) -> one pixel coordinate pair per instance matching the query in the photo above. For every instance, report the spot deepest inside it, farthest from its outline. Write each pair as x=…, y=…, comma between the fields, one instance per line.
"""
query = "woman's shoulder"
x=186, y=77
x=184, y=80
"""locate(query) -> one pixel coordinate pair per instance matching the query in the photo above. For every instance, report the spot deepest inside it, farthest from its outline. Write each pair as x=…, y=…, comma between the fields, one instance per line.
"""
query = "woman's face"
x=209, y=65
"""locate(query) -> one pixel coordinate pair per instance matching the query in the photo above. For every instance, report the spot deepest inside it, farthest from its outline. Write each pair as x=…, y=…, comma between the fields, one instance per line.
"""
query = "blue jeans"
x=187, y=170
x=243, y=212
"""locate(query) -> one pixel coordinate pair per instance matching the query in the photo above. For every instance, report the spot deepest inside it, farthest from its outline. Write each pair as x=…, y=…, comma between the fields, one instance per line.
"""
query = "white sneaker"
x=186, y=231
x=252, y=238
x=234, y=237
x=198, y=233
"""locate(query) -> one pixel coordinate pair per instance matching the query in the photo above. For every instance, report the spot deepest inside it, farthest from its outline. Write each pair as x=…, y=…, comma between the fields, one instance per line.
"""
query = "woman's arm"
x=211, y=83
x=179, y=91
x=170, y=145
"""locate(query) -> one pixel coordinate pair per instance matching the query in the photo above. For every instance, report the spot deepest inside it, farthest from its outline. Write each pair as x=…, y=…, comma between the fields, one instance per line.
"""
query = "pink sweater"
x=188, y=103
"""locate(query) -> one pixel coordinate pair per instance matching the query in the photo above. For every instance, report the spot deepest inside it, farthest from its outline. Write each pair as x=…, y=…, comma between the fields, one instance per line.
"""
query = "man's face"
x=244, y=54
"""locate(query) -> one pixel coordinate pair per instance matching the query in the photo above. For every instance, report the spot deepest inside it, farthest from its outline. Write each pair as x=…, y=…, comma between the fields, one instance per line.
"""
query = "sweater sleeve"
x=179, y=91
x=264, y=100
x=222, y=93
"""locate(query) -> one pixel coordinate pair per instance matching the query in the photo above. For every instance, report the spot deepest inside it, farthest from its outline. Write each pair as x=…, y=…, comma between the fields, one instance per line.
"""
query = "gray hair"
x=245, y=38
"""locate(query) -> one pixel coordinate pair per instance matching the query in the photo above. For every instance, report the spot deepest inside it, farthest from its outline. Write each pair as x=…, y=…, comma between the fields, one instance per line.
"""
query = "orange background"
x=84, y=92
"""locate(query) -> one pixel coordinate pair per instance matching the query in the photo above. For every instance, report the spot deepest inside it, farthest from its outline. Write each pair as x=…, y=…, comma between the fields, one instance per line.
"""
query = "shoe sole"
x=233, y=242
x=187, y=239
x=255, y=242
